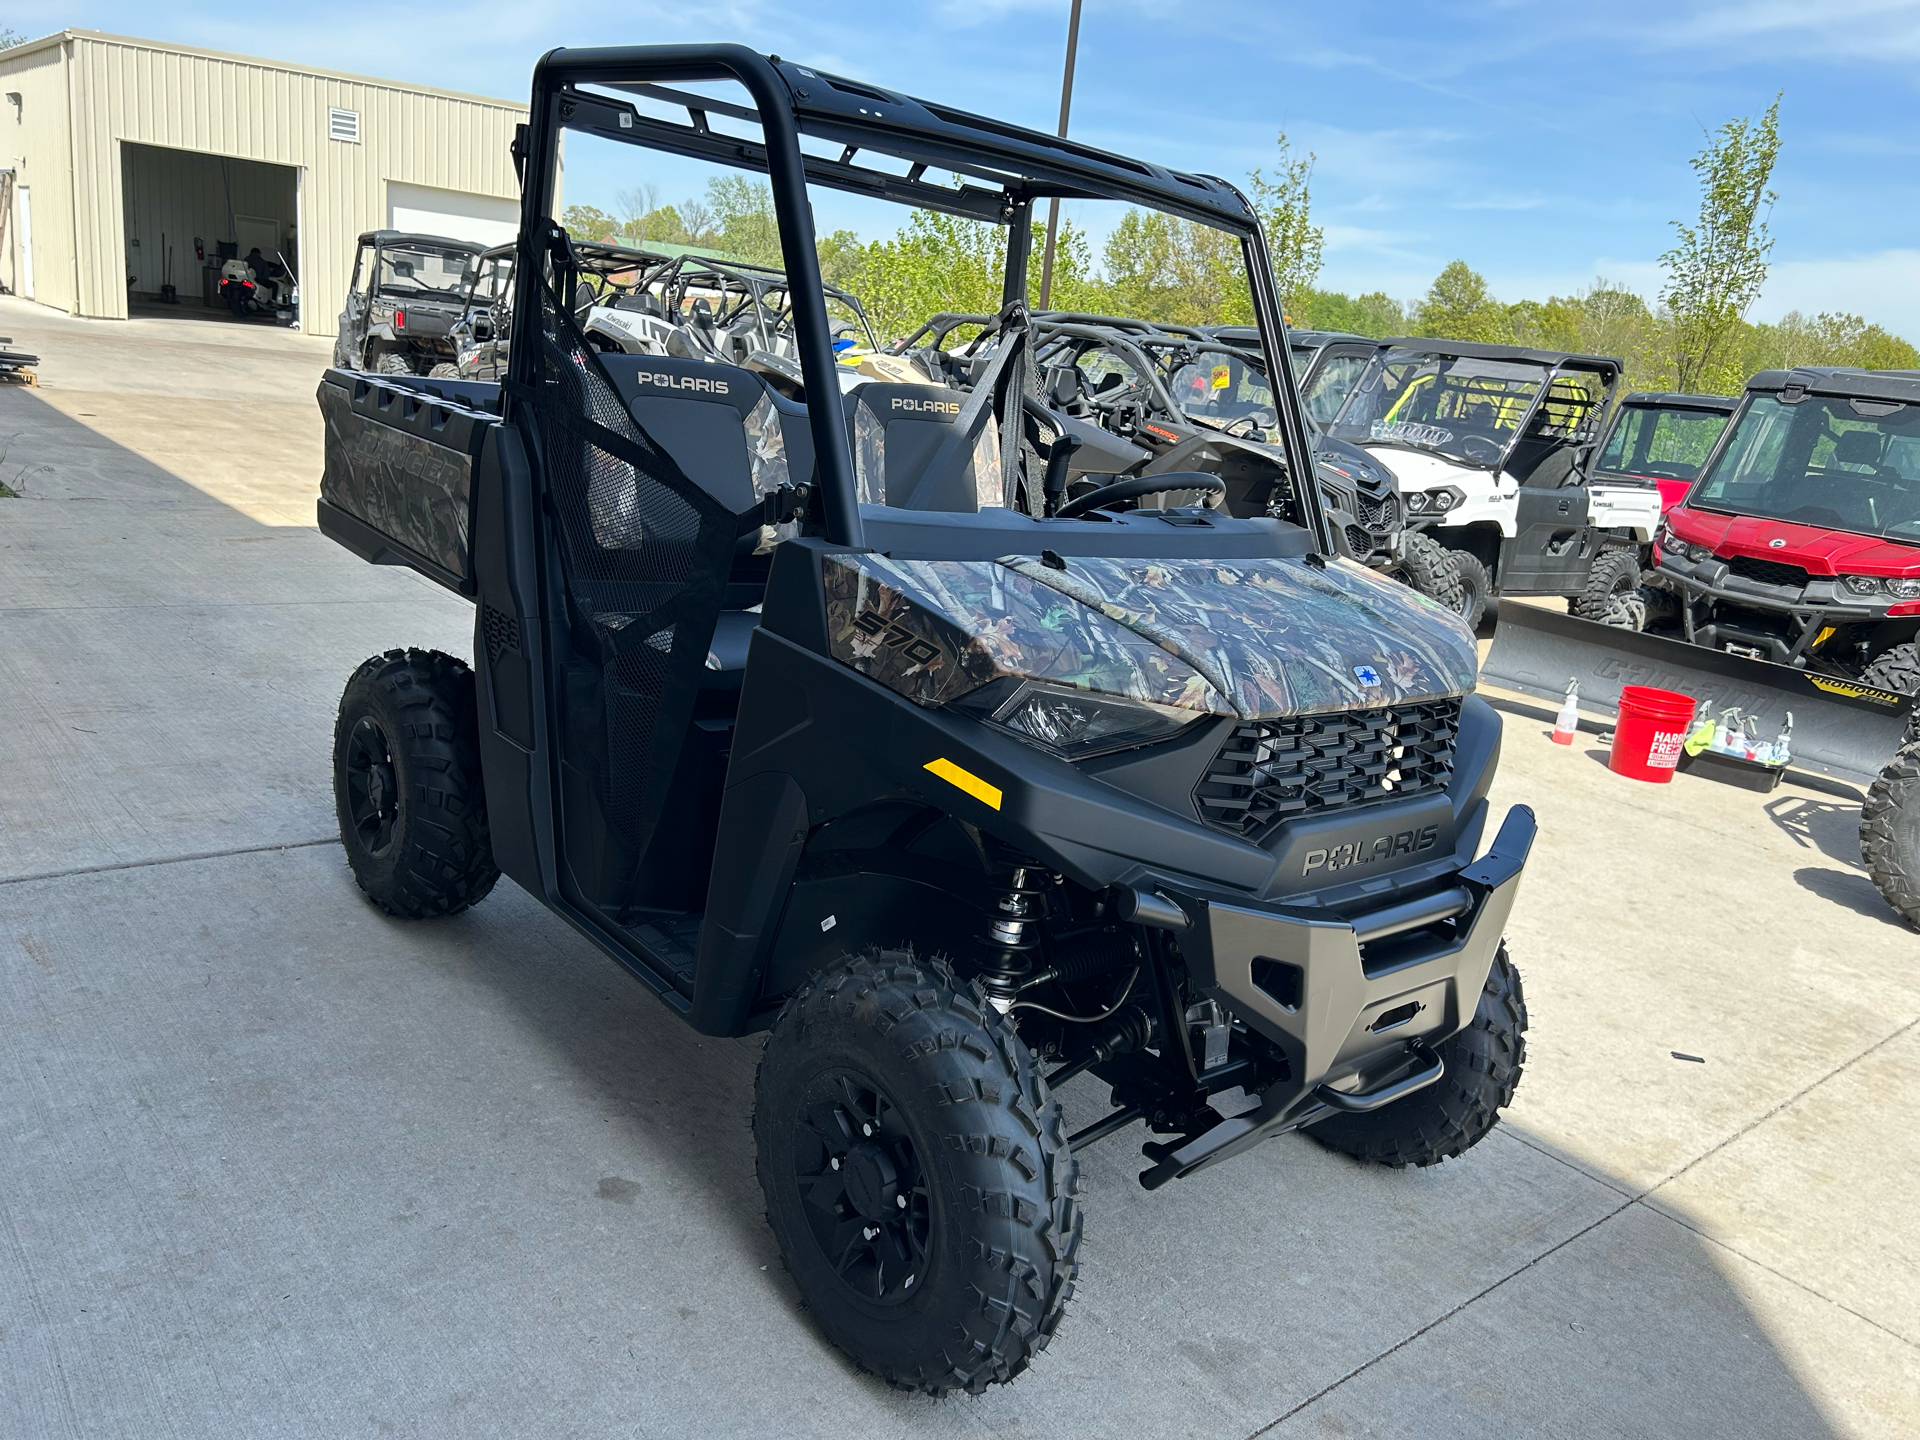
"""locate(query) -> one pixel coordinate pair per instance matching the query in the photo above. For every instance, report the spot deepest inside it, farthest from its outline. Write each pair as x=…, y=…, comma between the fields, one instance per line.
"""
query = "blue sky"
x=1545, y=143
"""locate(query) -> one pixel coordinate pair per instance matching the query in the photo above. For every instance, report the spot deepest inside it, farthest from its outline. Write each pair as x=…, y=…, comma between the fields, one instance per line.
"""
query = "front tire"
x=1612, y=596
x=1476, y=587
x=1459, y=1110
x=1897, y=669
x=1428, y=567
x=407, y=786
x=1890, y=833
x=917, y=1174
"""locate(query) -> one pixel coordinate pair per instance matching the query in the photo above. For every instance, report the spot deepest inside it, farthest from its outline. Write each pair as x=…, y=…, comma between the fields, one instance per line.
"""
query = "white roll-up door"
x=483, y=219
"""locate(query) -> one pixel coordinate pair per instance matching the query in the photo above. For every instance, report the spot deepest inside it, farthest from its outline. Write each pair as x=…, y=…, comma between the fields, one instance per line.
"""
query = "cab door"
x=1552, y=545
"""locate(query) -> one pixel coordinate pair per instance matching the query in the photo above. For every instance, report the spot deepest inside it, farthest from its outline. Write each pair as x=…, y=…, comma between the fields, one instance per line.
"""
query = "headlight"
x=1074, y=724
x=1418, y=501
x=1446, y=498
x=1862, y=584
x=1904, y=589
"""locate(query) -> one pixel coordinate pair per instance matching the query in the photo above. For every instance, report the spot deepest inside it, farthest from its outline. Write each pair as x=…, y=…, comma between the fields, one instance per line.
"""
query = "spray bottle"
x=1567, y=722
x=1701, y=735
x=1781, y=750
x=1728, y=738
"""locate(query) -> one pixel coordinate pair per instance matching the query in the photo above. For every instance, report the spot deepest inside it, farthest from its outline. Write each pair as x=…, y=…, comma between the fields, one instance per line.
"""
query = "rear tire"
x=407, y=786
x=392, y=364
x=917, y=1174
x=1428, y=567
x=1897, y=670
x=1890, y=833
x=1612, y=596
x=444, y=371
x=1459, y=1110
x=1476, y=587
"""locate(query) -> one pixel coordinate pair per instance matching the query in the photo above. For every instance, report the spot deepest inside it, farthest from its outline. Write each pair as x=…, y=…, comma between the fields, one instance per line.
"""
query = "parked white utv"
x=1493, y=447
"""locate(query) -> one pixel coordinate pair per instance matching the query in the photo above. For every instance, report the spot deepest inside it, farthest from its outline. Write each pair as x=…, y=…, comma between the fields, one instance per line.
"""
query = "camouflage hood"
x=1252, y=638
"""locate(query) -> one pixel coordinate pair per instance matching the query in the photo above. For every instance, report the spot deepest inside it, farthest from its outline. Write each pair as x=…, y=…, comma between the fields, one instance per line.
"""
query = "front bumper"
x=1355, y=1004
x=1803, y=610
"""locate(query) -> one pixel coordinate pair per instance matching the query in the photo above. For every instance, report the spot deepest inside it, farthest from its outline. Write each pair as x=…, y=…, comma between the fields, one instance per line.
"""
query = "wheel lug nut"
x=870, y=1234
x=866, y=1129
x=901, y=1201
x=835, y=1162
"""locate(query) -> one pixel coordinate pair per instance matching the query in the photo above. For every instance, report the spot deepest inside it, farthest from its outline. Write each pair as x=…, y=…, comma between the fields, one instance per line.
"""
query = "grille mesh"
x=1767, y=572
x=1269, y=771
x=1380, y=514
x=1359, y=542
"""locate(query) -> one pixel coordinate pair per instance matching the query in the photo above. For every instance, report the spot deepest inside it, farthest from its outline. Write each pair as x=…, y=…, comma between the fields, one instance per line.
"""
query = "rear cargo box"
x=400, y=455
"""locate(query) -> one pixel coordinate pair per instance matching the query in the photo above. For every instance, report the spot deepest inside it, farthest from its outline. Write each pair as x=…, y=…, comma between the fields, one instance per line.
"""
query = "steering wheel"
x=1480, y=449
x=1134, y=486
x=1255, y=422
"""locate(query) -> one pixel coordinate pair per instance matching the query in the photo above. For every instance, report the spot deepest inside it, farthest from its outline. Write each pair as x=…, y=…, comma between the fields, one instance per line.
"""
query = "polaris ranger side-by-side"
x=958, y=789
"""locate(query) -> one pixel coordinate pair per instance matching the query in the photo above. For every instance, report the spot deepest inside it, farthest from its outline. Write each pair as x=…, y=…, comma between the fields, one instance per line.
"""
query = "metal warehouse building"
x=129, y=166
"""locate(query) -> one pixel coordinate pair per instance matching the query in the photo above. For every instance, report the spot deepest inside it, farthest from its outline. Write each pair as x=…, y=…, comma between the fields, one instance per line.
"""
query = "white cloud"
x=1881, y=30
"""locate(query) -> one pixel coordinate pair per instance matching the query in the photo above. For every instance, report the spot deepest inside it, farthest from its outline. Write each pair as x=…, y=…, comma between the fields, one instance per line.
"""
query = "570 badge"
x=895, y=636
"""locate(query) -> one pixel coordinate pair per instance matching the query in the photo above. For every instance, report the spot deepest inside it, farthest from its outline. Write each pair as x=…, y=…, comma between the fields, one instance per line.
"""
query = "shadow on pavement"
x=1851, y=889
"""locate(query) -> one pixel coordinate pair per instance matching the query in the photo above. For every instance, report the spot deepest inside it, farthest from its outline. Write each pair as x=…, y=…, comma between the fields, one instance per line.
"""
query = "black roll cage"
x=790, y=100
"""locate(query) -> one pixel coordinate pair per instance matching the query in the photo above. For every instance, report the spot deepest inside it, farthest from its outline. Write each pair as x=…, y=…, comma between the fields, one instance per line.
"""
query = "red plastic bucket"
x=1652, y=728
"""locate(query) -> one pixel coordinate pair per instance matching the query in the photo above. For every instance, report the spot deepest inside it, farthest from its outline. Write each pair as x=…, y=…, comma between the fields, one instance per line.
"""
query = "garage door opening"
x=188, y=214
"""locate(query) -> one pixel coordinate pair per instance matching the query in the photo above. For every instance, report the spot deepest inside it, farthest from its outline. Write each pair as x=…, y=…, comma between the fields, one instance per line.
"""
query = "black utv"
x=955, y=795
x=406, y=294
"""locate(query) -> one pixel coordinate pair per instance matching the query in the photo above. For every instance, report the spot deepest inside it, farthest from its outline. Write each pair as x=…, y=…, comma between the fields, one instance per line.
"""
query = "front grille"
x=1767, y=572
x=1380, y=515
x=1359, y=542
x=1269, y=771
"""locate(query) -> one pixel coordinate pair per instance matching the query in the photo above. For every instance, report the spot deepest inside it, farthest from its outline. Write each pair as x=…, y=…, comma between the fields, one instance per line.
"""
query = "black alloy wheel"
x=869, y=1205
x=373, y=798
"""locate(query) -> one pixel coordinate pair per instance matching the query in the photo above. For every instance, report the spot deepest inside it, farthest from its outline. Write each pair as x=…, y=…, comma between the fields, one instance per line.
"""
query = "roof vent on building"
x=344, y=125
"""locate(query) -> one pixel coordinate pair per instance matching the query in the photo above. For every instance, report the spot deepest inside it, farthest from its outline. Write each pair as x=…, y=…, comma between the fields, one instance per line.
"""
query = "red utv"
x=1662, y=439
x=1800, y=541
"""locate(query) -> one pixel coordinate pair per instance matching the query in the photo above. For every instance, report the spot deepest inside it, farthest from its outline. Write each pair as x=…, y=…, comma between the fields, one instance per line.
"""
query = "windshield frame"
x=1018, y=167
x=1551, y=367
x=1698, y=499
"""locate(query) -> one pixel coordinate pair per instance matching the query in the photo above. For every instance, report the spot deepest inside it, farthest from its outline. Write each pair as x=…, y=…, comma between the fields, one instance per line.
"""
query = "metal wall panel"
x=37, y=142
x=155, y=94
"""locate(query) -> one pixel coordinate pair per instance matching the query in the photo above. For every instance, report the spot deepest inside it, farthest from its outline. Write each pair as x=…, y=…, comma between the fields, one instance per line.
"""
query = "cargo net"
x=1270, y=771
x=645, y=552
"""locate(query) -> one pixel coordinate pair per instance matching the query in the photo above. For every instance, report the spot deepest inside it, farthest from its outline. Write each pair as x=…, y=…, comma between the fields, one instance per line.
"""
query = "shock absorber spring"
x=1013, y=935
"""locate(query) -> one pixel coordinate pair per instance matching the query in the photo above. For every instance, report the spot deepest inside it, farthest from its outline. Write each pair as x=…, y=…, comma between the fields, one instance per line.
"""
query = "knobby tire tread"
x=1457, y=1112
x=997, y=1120
x=426, y=701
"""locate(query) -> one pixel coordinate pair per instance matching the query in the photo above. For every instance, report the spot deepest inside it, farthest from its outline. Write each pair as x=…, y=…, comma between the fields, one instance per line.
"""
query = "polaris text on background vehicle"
x=958, y=789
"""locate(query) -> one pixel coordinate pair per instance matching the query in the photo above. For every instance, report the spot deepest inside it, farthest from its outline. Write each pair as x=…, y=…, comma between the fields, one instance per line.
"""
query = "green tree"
x=1458, y=306
x=743, y=216
x=1376, y=313
x=1716, y=270
x=1162, y=268
x=584, y=222
x=1285, y=206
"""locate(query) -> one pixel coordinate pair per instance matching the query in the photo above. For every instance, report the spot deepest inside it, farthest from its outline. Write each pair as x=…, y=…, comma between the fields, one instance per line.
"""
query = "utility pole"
x=1053, y=205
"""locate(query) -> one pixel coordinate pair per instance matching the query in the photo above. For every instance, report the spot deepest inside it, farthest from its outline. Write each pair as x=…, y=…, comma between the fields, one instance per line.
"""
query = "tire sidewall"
x=363, y=699
x=863, y=1327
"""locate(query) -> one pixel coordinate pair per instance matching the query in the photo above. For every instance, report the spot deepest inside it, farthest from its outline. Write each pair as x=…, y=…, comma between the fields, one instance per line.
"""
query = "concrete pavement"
x=277, y=1164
